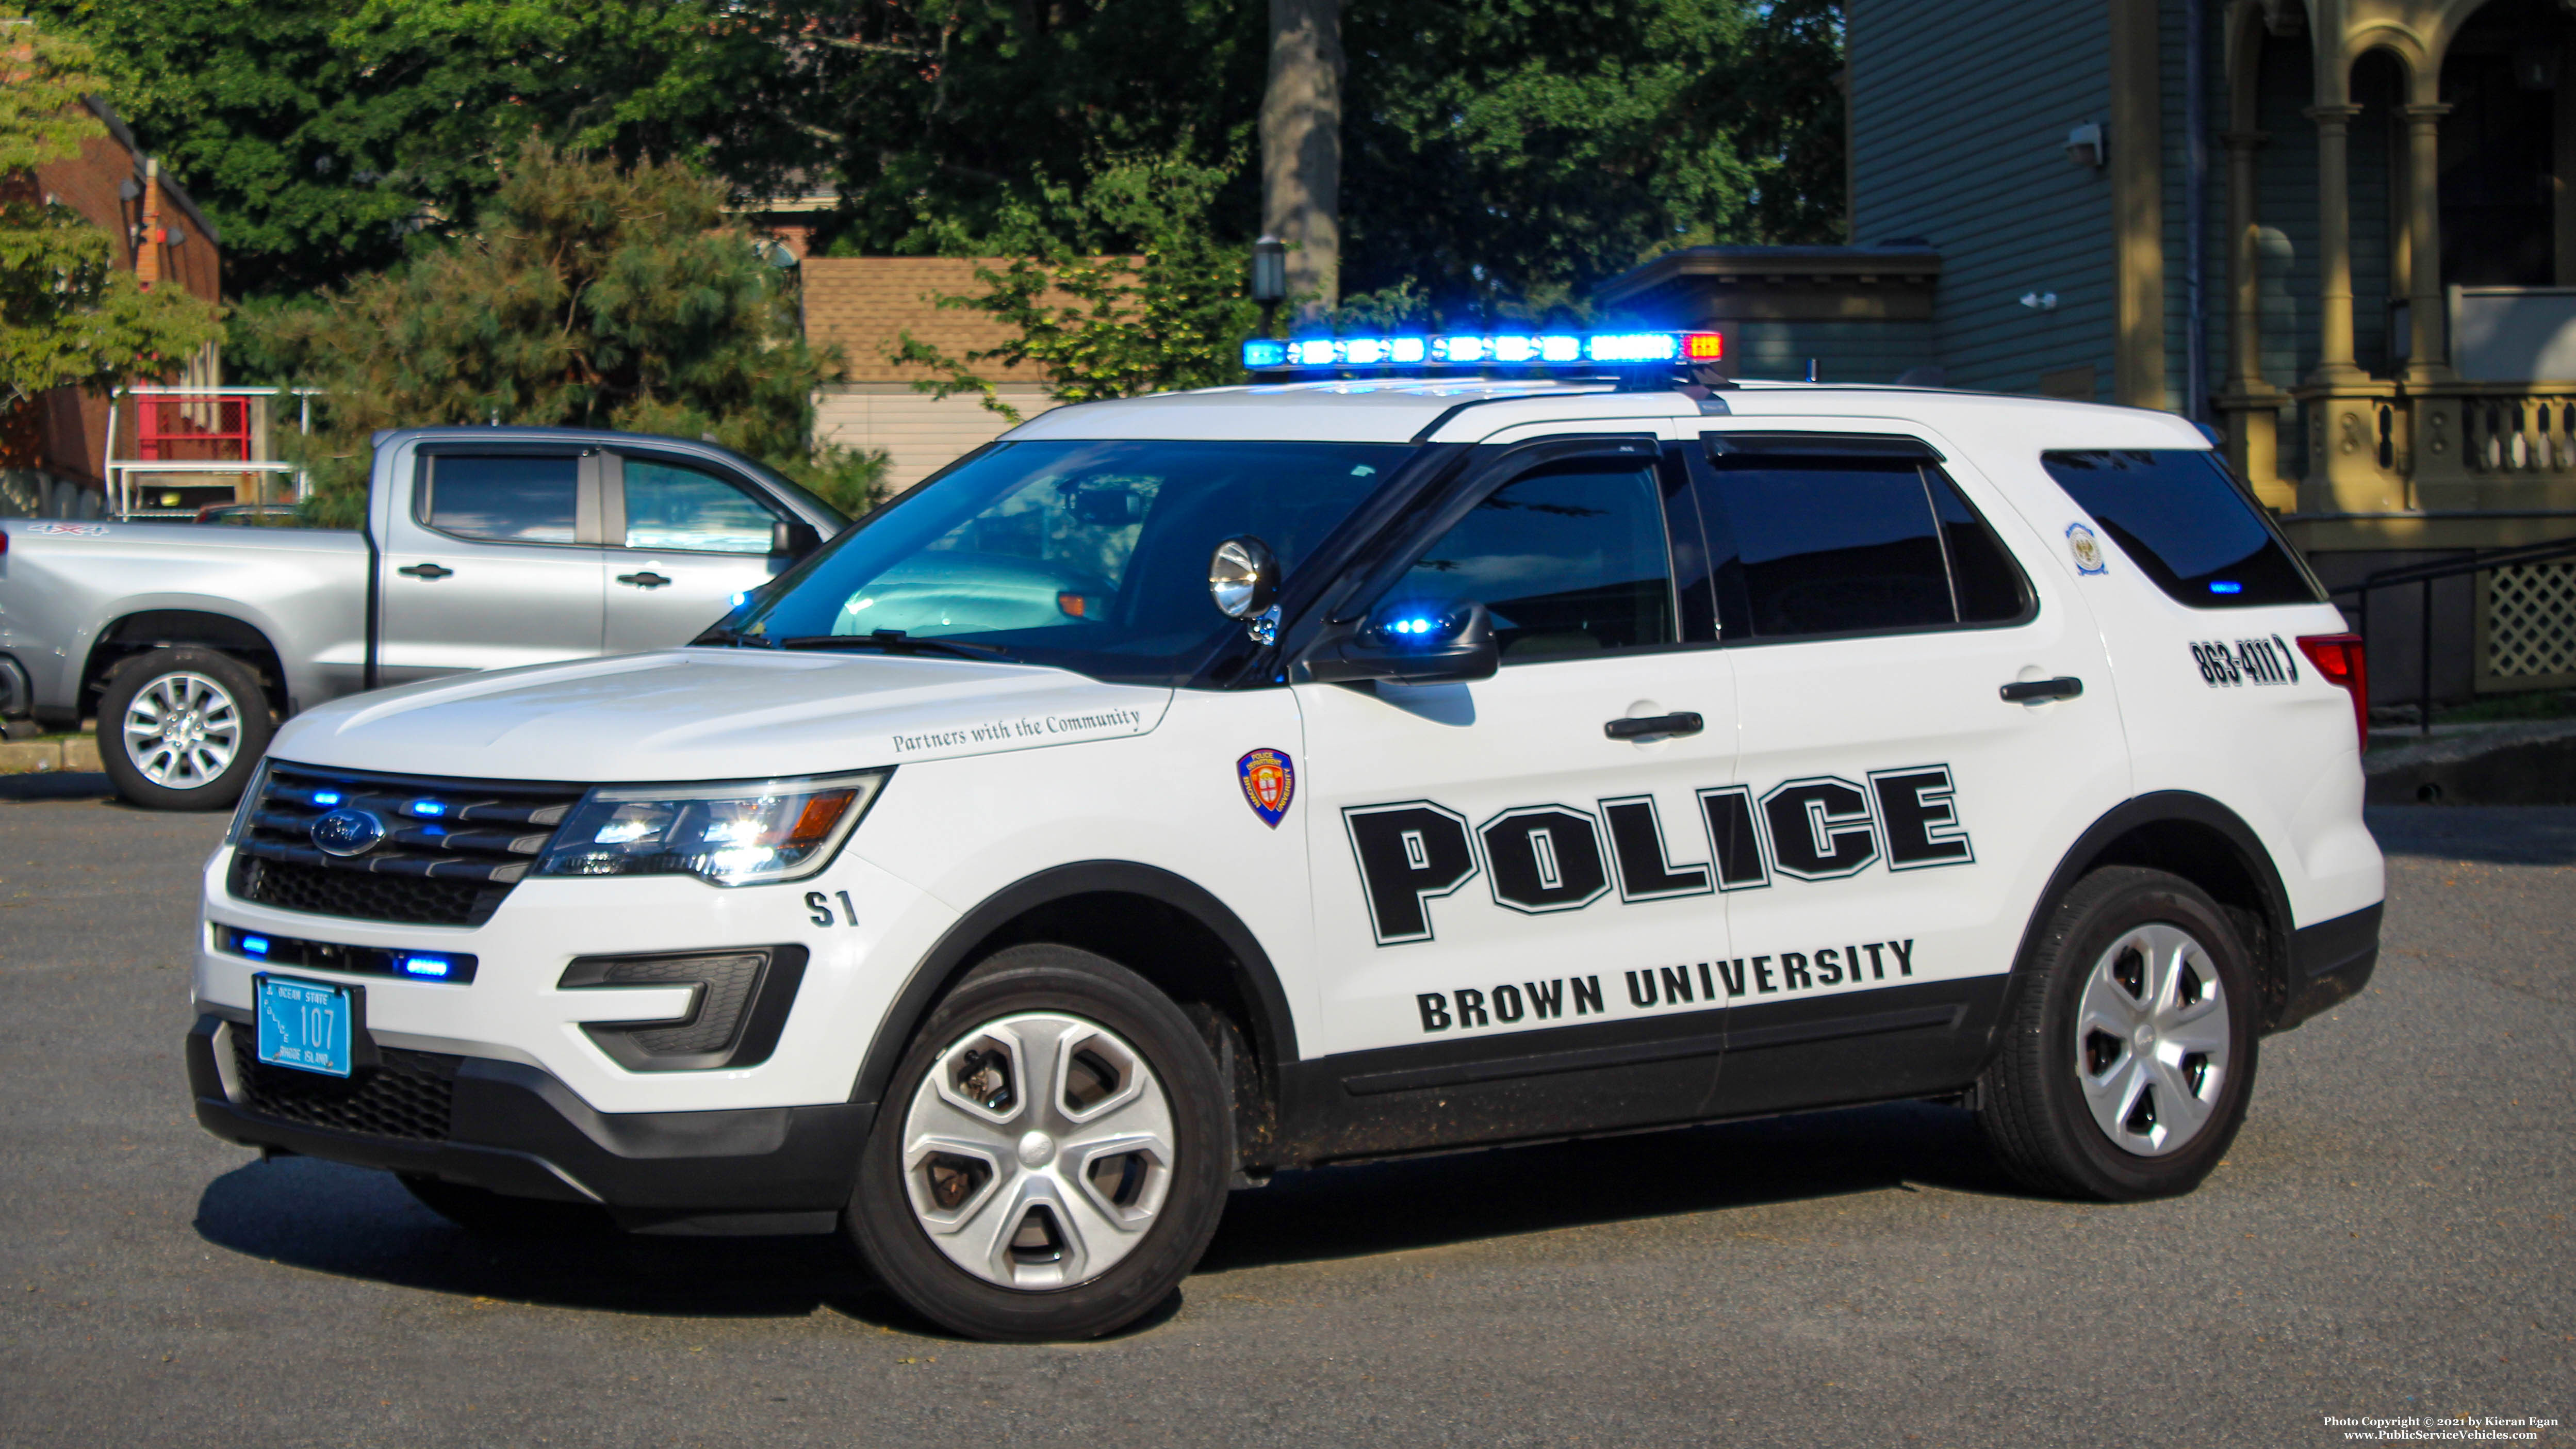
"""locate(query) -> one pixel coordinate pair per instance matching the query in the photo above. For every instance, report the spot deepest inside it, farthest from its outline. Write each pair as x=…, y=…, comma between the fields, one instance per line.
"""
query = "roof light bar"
x=1505, y=349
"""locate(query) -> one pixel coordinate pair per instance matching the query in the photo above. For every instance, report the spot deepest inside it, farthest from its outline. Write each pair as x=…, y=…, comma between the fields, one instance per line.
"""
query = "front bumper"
x=513, y=1128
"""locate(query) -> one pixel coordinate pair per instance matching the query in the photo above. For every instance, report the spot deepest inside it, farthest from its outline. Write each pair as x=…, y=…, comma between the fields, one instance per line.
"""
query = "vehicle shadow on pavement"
x=357, y=1223
x=1337, y=1212
x=2489, y=834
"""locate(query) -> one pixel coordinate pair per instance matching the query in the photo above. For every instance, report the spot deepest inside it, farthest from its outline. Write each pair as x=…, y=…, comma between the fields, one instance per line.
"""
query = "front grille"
x=406, y=1095
x=451, y=853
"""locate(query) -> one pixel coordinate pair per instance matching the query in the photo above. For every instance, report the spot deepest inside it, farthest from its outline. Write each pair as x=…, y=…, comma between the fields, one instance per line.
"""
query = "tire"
x=1026, y=1228
x=488, y=1214
x=182, y=728
x=2130, y=1053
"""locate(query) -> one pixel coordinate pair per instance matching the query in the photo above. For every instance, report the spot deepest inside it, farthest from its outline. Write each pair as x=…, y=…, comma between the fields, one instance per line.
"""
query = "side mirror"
x=793, y=539
x=1243, y=577
x=1411, y=644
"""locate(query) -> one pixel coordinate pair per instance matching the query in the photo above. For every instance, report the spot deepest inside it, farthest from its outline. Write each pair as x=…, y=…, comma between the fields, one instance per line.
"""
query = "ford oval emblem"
x=347, y=832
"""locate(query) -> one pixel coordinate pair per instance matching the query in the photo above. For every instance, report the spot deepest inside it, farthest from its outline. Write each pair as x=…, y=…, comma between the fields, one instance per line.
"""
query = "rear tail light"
x=2340, y=659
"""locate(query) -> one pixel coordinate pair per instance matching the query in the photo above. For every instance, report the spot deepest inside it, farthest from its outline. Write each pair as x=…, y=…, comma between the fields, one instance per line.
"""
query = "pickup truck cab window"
x=504, y=499
x=669, y=506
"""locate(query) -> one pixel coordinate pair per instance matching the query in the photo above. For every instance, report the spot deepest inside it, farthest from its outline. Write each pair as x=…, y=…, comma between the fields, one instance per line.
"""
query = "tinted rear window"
x=2185, y=523
x=1815, y=544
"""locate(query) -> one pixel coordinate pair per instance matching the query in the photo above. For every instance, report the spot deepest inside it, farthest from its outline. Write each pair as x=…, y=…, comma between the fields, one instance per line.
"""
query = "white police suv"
x=1187, y=788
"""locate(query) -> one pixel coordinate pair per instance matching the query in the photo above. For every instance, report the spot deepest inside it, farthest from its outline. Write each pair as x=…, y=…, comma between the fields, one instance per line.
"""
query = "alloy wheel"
x=1038, y=1151
x=182, y=731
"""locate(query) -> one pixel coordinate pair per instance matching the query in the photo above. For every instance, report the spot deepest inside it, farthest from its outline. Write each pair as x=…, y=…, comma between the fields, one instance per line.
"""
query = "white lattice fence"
x=2530, y=627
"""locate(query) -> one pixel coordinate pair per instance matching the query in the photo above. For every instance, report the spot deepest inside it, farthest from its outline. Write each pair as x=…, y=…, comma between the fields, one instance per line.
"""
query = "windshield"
x=1089, y=554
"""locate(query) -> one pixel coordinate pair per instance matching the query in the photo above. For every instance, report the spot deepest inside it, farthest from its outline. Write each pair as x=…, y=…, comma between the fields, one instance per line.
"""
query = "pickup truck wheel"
x=1052, y=1156
x=182, y=728
x=2130, y=1054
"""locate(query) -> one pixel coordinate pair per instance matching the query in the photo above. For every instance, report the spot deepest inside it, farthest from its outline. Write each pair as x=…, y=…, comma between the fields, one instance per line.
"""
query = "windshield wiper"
x=733, y=639
x=893, y=641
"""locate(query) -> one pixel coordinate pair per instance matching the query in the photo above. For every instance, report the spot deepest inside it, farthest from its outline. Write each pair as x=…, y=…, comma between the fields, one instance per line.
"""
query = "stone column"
x=2427, y=353
x=2334, y=244
x=2249, y=407
x=2244, y=262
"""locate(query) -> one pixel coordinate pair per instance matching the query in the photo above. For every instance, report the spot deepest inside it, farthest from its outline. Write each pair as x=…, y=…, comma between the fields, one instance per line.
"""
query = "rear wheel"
x=2130, y=1055
x=1051, y=1159
x=182, y=728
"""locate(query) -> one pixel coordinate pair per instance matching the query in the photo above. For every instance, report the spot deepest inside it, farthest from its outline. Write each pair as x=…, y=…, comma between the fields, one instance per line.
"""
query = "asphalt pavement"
x=2390, y=1238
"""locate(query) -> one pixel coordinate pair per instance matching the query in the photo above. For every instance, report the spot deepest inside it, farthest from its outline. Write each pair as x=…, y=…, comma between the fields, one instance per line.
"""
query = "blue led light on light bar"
x=1506, y=349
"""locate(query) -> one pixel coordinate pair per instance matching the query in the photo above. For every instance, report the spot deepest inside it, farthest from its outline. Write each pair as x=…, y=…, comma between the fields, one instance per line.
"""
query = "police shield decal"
x=1269, y=783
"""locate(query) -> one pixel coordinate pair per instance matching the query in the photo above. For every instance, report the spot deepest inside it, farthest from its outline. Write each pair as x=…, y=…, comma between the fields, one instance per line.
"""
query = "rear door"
x=684, y=540
x=1926, y=728
x=495, y=564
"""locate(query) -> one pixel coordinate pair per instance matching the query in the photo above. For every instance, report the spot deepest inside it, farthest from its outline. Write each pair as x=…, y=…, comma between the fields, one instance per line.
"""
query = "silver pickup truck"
x=483, y=548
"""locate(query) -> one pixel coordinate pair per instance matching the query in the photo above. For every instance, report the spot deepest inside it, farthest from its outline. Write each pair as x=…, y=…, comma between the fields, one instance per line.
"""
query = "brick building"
x=56, y=463
x=865, y=305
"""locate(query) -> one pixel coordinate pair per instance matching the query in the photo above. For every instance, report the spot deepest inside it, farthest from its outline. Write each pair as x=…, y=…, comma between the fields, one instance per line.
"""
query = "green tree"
x=1505, y=155
x=68, y=317
x=327, y=140
x=588, y=294
x=1172, y=315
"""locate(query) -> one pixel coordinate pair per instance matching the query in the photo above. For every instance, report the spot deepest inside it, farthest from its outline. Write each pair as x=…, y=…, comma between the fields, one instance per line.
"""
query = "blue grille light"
x=433, y=967
x=326, y=797
x=1507, y=349
x=430, y=808
x=254, y=945
x=2225, y=586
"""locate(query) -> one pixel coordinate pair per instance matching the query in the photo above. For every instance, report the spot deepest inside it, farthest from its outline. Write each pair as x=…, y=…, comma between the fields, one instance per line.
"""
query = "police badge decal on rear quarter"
x=1269, y=783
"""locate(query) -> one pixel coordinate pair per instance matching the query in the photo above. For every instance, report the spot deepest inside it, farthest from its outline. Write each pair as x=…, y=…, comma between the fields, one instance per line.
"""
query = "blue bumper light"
x=435, y=968
x=254, y=945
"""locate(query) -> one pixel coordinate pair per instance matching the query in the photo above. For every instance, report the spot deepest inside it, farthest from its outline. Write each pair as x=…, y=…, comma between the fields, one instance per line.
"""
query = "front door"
x=1514, y=907
x=493, y=567
x=1898, y=813
x=684, y=541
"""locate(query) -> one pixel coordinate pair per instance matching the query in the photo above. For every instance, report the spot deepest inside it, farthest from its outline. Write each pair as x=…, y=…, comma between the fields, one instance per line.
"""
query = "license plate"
x=304, y=1025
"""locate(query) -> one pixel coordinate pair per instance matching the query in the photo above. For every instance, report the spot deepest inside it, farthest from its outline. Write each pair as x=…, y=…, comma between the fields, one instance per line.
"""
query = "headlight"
x=744, y=832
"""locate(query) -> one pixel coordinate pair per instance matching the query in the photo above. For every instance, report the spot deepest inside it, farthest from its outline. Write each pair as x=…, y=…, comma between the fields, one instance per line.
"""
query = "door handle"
x=645, y=580
x=2040, y=691
x=1682, y=722
x=425, y=571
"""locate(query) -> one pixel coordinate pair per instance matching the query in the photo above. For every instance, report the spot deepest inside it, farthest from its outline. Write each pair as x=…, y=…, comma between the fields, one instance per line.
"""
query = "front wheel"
x=2130, y=1054
x=1051, y=1158
x=182, y=728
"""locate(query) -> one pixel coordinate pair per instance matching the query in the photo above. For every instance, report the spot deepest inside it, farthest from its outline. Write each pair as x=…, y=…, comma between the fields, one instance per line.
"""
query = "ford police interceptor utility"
x=1186, y=788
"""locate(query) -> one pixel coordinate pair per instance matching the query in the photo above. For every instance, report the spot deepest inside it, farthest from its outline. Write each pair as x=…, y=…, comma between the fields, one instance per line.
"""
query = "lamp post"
x=1269, y=280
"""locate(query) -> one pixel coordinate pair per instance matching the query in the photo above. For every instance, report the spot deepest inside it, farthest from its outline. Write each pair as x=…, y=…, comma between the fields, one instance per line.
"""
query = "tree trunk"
x=1301, y=147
